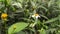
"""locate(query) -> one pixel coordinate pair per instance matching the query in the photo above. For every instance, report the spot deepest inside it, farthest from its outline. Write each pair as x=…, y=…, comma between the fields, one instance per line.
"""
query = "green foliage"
x=52, y=20
x=41, y=16
x=42, y=31
x=19, y=26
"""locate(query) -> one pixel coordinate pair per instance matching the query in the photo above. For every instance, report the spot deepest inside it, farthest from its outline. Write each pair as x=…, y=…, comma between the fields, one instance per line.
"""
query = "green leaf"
x=52, y=20
x=8, y=1
x=19, y=26
x=20, y=0
x=42, y=31
x=1, y=0
x=58, y=3
x=17, y=4
x=51, y=2
x=21, y=32
x=44, y=16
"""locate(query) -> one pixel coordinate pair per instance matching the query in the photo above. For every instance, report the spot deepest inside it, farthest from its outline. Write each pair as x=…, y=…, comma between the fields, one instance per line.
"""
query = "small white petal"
x=33, y=15
x=37, y=16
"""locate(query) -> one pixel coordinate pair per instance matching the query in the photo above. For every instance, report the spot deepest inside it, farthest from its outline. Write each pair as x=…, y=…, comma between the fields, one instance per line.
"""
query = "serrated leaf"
x=19, y=26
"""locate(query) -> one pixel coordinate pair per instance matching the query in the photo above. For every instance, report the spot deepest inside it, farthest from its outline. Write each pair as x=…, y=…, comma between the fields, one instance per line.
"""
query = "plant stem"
x=5, y=27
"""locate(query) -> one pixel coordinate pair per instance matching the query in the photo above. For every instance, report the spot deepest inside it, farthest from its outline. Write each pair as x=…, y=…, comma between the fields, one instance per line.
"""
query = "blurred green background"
x=30, y=16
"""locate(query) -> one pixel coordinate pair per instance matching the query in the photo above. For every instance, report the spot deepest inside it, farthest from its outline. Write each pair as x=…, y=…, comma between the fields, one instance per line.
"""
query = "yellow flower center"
x=36, y=14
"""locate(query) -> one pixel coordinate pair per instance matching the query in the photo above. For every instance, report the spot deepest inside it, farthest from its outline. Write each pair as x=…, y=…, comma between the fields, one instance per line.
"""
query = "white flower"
x=35, y=15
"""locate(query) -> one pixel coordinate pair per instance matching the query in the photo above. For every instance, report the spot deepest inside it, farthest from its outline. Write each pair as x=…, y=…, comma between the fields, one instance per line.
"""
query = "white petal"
x=33, y=15
x=37, y=16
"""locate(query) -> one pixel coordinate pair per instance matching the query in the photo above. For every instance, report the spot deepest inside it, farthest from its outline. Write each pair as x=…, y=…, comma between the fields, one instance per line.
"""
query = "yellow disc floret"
x=4, y=16
x=36, y=14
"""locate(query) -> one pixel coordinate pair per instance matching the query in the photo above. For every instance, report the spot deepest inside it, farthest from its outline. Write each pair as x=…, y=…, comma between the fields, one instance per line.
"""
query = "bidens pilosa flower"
x=4, y=16
x=35, y=15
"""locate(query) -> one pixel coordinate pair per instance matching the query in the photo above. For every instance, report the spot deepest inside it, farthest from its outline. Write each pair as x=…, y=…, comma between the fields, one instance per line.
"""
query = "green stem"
x=5, y=27
x=35, y=22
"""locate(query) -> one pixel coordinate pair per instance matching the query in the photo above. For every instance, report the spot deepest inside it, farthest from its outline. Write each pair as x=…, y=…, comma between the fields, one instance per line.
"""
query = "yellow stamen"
x=36, y=14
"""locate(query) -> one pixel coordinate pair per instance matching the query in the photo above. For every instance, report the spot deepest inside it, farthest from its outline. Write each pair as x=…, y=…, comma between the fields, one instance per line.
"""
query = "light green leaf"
x=21, y=32
x=17, y=4
x=21, y=1
x=18, y=27
x=42, y=31
x=58, y=3
x=1, y=0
